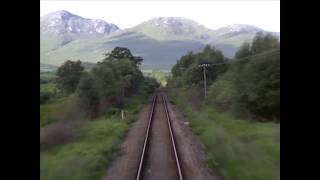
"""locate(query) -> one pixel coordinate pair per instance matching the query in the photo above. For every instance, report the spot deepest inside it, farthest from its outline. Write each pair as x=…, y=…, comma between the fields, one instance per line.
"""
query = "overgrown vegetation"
x=251, y=86
x=238, y=122
x=248, y=86
x=88, y=113
x=236, y=148
x=86, y=156
x=187, y=72
x=111, y=81
x=160, y=75
x=47, y=86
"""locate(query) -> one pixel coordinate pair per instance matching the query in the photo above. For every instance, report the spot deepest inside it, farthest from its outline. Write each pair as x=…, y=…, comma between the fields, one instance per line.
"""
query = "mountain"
x=65, y=23
x=235, y=34
x=61, y=27
x=160, y=41
x=156, y=54
x=173, y=28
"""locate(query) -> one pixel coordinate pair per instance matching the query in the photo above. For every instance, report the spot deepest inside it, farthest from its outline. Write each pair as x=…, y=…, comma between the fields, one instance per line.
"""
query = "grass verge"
x=87, y=156
x=237, y=149
x=49, y=112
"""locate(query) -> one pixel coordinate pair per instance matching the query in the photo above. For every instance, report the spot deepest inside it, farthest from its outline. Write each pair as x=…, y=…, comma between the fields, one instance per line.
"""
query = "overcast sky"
x=212, y=14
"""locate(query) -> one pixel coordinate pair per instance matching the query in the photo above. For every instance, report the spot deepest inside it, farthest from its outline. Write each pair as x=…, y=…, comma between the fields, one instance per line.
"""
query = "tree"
x=187, y=67
x=263, y=42
x=69, y=75
x=247, y=86
x=113, y=79
x=251, y=86
x=88, y=96
x=182, y=64
x=258, y=85
x=244, y=51
x=119, y=53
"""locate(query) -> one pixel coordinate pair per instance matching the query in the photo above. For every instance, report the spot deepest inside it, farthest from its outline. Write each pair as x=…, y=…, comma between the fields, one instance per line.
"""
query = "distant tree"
x=188, y=71
x=184, y=62
x=119, y=53
x=69, y=75
x=244, y=51
x=149, y=84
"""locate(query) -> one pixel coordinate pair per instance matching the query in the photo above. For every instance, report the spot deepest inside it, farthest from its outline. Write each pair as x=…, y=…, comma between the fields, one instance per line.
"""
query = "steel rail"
x=146, y=139
x=172, y=138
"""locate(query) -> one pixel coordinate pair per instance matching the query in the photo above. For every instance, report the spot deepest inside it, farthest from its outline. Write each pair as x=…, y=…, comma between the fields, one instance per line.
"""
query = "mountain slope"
x=61, y=27
x=160, y=41
x=156, y=54
x=173, y=28
x=236, y=34
x=63, y=23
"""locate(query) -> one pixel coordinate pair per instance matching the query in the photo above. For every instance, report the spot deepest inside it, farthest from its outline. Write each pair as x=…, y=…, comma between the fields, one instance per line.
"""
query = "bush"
x=113, y=111
x=222, y=94
x=149, y=84
x=43, y=81
x=45, y=97
x=56, y=134
x=87, y=156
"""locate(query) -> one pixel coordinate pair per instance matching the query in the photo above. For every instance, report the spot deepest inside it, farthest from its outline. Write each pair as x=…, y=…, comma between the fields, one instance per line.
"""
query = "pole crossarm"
x=204, y=65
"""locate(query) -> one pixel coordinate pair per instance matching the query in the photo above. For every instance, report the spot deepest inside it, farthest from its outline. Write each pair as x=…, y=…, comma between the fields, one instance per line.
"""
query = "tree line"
x=107, y=84
x=248, y=85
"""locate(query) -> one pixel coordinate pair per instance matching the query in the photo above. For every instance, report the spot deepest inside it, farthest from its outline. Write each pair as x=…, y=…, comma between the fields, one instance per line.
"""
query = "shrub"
x=45, y=97
x=43, y=81
x=221, y=94
x=55, y=134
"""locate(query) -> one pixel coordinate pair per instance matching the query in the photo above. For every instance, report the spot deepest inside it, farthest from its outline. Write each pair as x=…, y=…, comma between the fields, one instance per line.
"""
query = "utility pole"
x=204, y=78
x=204, y=65
x=122, y=109
x=205, y=82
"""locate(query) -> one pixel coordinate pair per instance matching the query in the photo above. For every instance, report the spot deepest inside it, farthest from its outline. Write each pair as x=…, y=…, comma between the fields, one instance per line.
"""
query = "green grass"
x=238, y=149
x=88, y=156
x=48, y=87
x=48, y=75
x=49, y=113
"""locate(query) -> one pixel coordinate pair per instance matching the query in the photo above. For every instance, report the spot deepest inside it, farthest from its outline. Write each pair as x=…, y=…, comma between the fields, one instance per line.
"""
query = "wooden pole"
x=122, y=114
x=205, y=82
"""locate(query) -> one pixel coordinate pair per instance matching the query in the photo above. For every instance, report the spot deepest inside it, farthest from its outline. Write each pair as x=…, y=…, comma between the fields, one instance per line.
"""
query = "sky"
x=212, y=14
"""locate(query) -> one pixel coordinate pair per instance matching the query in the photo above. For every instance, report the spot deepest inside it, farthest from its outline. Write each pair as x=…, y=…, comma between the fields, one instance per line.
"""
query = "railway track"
x=159, y=156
